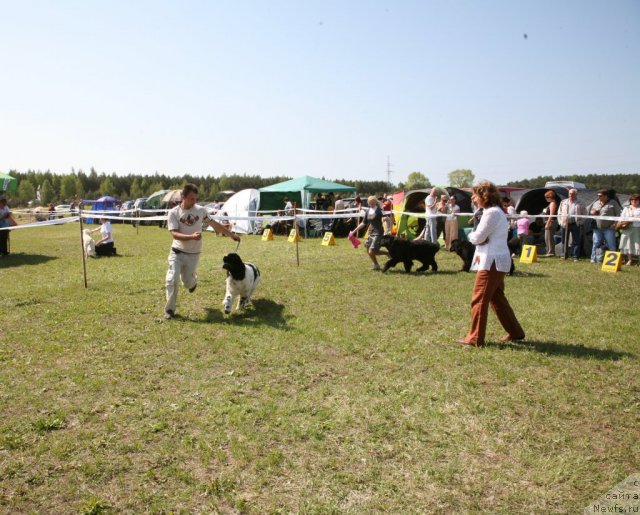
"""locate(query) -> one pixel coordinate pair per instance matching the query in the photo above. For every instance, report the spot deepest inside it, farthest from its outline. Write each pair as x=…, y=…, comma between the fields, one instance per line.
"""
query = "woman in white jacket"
x=492, y=260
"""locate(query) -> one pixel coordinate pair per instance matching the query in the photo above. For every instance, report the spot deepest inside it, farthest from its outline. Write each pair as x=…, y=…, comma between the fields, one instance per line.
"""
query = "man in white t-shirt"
x=288, y=207
x=430, y=231
x=185, y=225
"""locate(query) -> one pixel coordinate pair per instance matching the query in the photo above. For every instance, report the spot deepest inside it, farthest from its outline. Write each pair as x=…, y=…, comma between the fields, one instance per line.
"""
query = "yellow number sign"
x=529, y=254
x=612, y=261
x=328, y=239
x=267, y=235
x=294, y=236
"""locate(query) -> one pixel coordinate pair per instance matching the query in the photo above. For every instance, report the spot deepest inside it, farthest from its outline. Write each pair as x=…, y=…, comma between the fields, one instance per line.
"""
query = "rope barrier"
x=267, y=219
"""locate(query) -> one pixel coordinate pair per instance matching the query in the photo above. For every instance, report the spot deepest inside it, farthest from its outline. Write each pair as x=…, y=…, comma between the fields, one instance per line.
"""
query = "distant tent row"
x=298, y=190
x=246, y=203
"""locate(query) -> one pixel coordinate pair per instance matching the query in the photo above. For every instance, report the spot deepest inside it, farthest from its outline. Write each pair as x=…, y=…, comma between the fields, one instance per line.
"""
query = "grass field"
x=340, y=391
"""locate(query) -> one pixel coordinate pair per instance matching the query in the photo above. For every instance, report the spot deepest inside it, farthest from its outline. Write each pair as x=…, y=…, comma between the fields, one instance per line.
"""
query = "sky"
x=509, y=89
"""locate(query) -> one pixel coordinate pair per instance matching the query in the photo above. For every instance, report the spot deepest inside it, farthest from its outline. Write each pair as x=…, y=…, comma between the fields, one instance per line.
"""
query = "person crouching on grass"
x=373, y=215
x=492, y=260
x=185, y=225
x=104, y=246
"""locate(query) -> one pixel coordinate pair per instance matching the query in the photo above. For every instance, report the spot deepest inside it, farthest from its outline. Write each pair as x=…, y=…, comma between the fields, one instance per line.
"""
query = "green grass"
x=340, y=390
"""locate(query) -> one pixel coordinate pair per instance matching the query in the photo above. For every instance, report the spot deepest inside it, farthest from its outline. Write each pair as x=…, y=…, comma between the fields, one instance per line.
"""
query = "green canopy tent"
x=155, y=200
x=299, y=191
x=8, y=183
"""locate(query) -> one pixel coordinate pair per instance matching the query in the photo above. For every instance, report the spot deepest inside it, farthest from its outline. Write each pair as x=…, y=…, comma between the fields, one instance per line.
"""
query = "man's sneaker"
x=191, y=290
x=169, y=314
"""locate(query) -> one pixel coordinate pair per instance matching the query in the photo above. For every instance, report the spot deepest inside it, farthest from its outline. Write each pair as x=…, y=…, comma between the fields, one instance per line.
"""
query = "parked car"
x=139, y=203
x=62, y=210
x=124, y=207
x=143, y=210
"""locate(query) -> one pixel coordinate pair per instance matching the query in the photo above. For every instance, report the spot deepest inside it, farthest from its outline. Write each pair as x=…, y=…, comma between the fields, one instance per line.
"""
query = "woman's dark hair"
x=189, y=188
x=488, y=192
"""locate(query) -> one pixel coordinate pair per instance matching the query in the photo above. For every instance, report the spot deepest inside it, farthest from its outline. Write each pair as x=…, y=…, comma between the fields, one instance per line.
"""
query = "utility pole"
x=389, y=172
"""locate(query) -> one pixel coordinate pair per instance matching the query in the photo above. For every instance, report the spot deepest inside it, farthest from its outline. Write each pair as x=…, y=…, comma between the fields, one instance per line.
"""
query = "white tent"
x=243, y=203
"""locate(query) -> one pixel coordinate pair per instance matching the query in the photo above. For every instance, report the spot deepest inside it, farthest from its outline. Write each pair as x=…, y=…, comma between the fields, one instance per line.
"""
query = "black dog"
x=405, y=251
x=466, y=250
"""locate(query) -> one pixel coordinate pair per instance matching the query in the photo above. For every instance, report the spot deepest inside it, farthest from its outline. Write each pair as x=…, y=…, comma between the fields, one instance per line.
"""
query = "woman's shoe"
x=463, y=341
x=509, y=338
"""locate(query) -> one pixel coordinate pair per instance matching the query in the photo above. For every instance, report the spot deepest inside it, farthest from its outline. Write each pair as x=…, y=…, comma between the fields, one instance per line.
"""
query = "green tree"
x=224, y=183
x=136, y=189
x=26, y=191
x=68, y=187
x=417, y=181
x=47, y=193
x=107, y=187
x=461, y=178
x=93, y=181
x=152, y=188
x=79, y=188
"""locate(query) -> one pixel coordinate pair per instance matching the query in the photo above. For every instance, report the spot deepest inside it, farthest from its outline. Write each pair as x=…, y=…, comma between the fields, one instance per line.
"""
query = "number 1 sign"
x=529, y=254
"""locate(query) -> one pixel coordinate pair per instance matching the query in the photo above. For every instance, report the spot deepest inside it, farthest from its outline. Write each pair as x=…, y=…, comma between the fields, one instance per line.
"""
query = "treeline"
x=622, y=183
x=64, y=188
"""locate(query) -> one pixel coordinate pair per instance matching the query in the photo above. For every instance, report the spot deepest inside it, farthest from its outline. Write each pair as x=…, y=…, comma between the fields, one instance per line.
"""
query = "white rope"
x=269, y=219
x=59, y=221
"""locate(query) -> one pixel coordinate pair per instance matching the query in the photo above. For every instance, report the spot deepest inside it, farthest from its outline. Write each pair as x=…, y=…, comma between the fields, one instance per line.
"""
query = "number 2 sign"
x=612, y=261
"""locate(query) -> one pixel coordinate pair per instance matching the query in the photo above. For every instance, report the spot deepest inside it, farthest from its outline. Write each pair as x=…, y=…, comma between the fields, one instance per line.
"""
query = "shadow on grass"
x=21, y=259
x=97, y=258
x=415, y=272
x=562, y=349
x=526, y=275
x=260, y=312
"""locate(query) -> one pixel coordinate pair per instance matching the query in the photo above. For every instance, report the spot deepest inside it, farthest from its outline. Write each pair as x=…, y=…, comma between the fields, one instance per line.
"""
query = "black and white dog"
x=242, y=279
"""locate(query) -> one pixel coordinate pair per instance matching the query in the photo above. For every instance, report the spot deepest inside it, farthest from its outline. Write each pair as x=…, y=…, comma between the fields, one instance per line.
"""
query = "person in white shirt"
x=630, y=230
x=5, y=221
x=104, y=246
x=571, y=217
x=451, y=222
x=492, y=260
x=430, y=231
x=185, y=225
x=288, y=207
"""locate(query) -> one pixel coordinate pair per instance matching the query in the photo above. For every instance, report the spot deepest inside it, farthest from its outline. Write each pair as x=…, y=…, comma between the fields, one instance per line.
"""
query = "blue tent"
x=102, y=204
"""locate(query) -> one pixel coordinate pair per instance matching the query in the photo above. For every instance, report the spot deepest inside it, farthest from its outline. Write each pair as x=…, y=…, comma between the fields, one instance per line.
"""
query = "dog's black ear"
x=234, y=258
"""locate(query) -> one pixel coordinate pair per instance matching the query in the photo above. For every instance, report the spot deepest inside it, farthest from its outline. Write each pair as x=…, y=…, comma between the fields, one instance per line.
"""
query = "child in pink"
x=522, y=225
